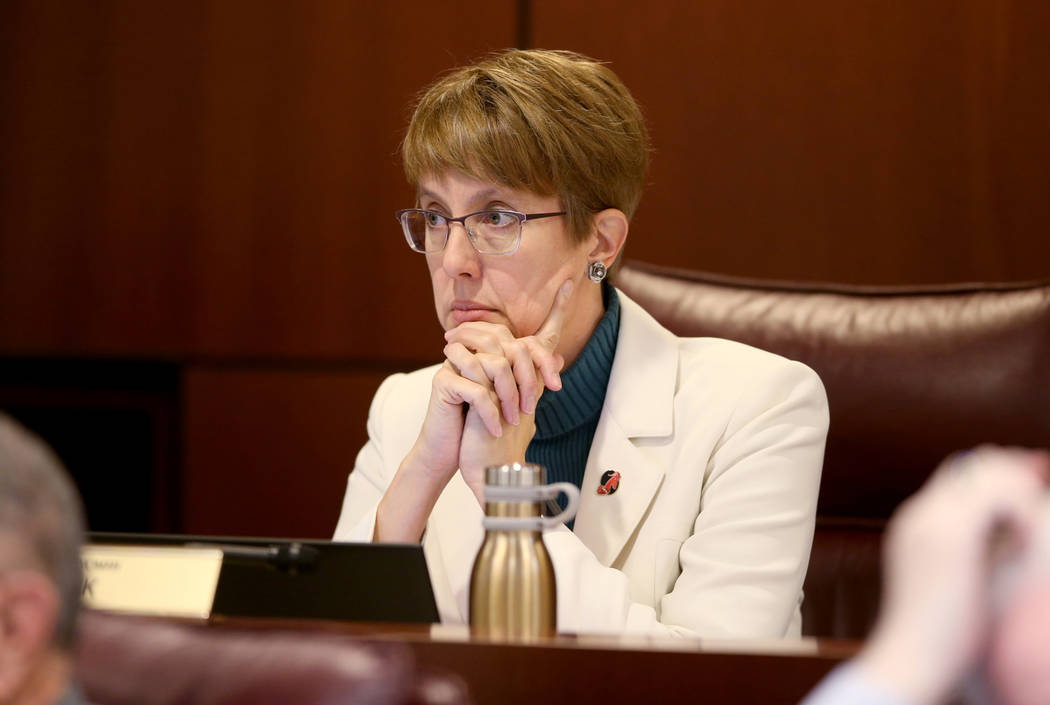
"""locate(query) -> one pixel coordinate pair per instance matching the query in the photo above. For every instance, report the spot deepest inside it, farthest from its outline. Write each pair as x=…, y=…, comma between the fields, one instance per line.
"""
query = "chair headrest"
x=912, y=373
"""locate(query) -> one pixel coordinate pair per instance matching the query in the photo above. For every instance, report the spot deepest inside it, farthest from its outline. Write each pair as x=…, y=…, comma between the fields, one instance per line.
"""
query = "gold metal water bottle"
x=513, y=593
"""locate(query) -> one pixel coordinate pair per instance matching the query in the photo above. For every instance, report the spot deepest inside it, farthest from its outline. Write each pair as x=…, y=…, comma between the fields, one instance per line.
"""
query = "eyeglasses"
x=491, y=232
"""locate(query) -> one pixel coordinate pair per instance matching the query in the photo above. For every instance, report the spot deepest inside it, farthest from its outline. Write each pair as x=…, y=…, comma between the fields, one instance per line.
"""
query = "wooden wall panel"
x=218, y=177
x=99, y=155
x=267, y=452
x=864, y=142
x=212, y=182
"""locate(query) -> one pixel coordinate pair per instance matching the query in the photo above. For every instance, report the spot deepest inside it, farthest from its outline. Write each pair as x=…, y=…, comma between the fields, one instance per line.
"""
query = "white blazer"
x=719, y=447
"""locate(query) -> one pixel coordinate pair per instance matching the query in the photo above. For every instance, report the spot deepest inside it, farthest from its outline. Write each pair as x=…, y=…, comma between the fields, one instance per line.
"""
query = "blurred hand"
x=1017, y=665
x=941, y=548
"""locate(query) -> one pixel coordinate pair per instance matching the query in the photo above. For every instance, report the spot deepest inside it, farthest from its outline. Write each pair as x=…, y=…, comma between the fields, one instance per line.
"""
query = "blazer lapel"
x=604, y=522
x=639, y=404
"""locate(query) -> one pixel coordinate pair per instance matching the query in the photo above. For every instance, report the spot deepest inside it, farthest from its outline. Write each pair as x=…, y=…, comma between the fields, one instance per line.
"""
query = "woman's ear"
x=29, y=607
x=610, y=232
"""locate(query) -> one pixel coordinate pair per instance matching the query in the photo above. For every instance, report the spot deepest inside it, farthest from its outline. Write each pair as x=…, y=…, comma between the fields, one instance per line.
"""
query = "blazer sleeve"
x=368, y=480
x=743, y=566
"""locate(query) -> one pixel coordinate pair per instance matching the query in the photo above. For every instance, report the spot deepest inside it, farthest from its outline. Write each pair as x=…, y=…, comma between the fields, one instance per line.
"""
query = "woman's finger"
x=493, y=371
x=526, y=356
x=494, y=339
x=456, y=389
x=545, y=341
x=499, y=371
x=518, y=353
x=549, y=333
x=466, y=363
x=548, y=362
x=479, y=336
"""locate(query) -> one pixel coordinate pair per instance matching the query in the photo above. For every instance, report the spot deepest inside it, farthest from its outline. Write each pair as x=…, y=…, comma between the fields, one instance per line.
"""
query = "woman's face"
x=517, y=289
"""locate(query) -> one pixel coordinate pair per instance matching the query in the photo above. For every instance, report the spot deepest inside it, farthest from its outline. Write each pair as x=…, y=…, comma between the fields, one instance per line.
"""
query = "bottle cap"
x=516, y=475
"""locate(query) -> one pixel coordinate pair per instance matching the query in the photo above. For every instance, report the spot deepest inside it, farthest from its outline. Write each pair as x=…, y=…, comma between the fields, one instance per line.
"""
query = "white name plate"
x=168, y=581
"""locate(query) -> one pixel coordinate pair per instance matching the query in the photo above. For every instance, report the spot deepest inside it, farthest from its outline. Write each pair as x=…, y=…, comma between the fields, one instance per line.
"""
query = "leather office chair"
x=123, y=660
x=912, y=374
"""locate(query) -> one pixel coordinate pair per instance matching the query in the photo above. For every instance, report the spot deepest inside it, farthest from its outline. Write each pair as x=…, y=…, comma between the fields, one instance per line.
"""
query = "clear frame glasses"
x=491, y=232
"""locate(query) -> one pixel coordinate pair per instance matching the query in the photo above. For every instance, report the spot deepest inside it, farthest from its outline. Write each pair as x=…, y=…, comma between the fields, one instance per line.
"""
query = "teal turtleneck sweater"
x=566, y=419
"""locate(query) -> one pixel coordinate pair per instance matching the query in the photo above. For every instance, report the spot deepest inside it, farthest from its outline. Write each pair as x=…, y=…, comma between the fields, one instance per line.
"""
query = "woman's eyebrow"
x=484, y=196
x=424, y=195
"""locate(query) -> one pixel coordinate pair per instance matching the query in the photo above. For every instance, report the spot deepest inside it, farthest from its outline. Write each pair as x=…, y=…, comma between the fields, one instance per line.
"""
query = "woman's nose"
x=459, y=257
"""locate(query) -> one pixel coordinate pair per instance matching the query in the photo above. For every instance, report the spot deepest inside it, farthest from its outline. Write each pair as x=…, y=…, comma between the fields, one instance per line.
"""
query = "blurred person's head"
x=41, y=530
x=533, y=132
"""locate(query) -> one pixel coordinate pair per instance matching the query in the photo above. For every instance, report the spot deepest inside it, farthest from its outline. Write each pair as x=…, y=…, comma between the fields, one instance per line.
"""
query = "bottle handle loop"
x=542, y=493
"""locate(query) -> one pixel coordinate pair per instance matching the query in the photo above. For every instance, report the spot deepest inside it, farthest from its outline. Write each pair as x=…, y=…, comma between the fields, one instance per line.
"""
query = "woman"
x=699, y=459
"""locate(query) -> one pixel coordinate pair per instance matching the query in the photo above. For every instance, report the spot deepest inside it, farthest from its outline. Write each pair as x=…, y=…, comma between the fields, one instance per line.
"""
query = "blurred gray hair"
x=40, y=512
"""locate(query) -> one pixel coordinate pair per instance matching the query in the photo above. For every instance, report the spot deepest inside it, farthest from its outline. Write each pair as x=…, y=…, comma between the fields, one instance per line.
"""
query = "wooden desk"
x=584, y=669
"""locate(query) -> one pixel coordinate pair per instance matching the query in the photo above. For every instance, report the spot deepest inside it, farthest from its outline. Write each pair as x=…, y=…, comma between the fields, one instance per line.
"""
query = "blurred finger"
x=992, y=495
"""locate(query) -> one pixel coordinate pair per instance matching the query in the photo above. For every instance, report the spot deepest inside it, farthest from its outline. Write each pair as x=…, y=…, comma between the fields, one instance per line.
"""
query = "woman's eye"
x=499, y=219
x=433, y=219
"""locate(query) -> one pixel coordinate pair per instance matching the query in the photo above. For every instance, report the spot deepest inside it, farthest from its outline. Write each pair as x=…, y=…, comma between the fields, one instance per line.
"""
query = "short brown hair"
x=550, y=122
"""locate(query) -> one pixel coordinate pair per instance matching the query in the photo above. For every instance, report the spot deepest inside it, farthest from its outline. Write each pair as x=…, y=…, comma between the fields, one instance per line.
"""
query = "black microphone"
x=293, y=557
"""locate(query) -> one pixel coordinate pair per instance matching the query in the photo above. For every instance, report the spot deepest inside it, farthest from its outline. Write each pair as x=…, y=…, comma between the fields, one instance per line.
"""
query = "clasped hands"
x=483, y=398
x=481, y=412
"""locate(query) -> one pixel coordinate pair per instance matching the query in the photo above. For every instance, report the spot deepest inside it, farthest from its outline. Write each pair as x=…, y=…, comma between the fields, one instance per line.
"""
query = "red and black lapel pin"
x=610, y=482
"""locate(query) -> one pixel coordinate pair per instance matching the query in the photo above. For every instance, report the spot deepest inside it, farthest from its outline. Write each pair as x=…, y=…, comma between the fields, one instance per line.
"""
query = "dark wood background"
x=208, y=186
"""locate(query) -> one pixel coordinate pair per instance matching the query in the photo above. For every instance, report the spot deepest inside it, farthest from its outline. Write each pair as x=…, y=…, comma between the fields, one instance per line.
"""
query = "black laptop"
x=361, y=582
